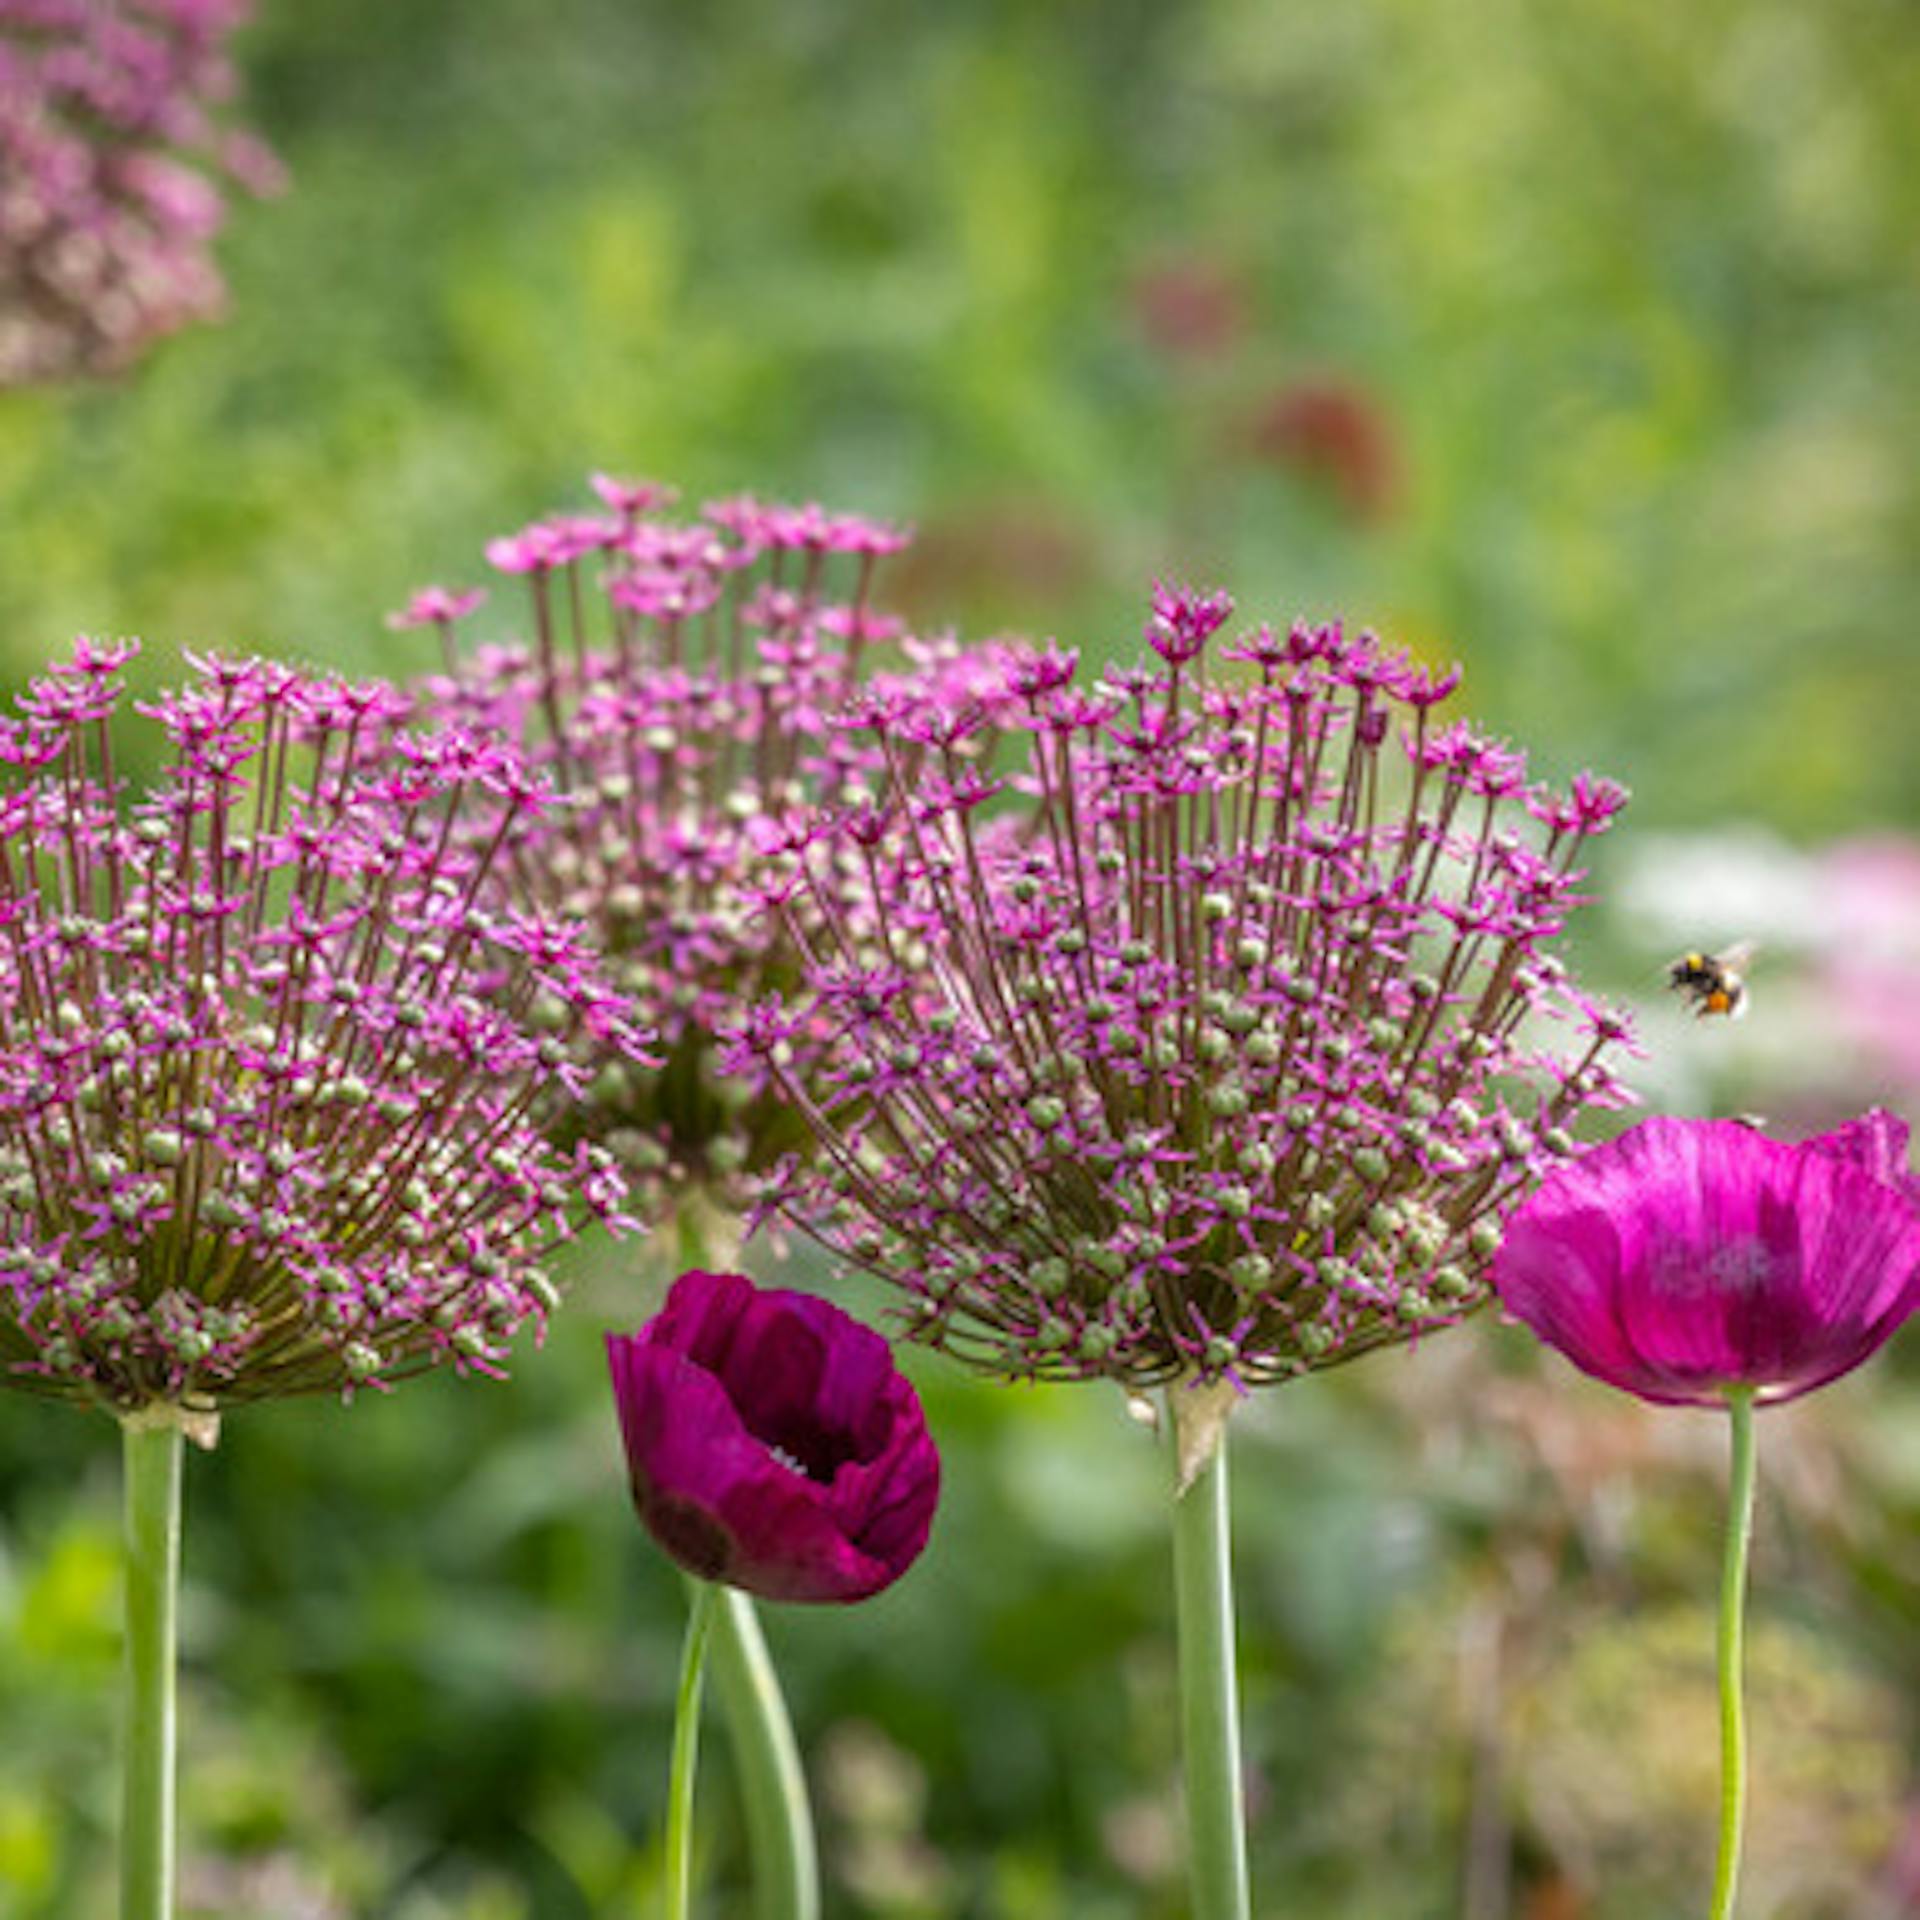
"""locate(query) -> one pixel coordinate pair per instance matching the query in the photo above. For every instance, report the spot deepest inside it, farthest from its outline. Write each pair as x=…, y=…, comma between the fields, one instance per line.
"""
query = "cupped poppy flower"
x=1690, y=1257
x=772, y=1442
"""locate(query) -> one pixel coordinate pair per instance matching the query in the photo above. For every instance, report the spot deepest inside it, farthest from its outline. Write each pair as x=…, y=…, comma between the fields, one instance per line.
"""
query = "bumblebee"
x=1713, y=982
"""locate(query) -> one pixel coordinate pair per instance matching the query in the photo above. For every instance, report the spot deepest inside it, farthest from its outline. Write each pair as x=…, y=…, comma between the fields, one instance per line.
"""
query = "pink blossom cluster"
x=271, y=1055
x=1213, y=1035
x=113, y=158
x=676, y=684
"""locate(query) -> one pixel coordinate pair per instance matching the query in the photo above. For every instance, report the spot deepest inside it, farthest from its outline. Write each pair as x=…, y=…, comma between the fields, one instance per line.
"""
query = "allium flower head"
x=112, y=163
x=677, y=689
x=268, y=1055
x=772, y=1442
x=1210, y=1041
x=1690, y=1256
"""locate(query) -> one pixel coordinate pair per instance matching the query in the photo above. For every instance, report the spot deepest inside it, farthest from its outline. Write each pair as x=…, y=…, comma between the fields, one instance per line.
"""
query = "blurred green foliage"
x=1578, y=338
x=1628, y=288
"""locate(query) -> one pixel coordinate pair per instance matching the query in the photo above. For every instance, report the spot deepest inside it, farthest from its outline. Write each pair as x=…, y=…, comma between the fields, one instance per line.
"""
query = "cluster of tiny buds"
x=111, y=168
x=269, y=1052
x=1212, y=1038
x=677, y=682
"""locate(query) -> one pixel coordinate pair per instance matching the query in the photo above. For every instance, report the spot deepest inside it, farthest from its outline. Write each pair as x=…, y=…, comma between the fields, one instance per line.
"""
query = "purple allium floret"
x=1214, y=1041
x=676, y=686
x=113, y=157
x=271, y=1060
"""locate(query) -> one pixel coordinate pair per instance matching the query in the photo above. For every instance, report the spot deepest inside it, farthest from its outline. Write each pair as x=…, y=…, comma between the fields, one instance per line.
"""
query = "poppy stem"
x=786, y=1864
x=773, y=1783
x=1733, y=1606
x=1209, y=1689
x=686, y=1752
x=151, y=1458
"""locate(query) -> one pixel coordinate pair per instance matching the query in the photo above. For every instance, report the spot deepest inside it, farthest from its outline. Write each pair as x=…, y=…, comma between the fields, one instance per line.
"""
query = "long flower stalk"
x=1178, y=1028
x=1732, y=1638
x=1209, y=1686
x=271, y=1077
x=1700, y=1263
x=686, y=1753
x=772, y=1447
x=773, y=1782
x=152, y=1509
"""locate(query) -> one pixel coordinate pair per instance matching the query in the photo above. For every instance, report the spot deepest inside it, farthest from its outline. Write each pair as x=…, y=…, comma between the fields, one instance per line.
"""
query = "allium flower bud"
x=112, y=163
x=268, y=1057
x=677, y=689
x=1688, y=1257
x=1222, y=1054
x=772, y=1442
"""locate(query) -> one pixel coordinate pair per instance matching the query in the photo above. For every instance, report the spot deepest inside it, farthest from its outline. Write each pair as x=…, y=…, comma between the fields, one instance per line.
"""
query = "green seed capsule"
x=1048, y=1278
x=1097, y=1342
x=163, y=1147
x=1251, y=1271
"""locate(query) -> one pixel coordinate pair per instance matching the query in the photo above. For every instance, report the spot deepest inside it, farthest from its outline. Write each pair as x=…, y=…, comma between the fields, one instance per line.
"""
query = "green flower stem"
x=686, y=1753
x=773, y=1784
x=1733, y=1607
x=786, y=1866
x=1209, y=1691
x=152, y=1507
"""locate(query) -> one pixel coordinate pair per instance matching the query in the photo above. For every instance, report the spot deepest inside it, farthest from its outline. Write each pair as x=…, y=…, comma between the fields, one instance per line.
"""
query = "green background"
x=1623, y=299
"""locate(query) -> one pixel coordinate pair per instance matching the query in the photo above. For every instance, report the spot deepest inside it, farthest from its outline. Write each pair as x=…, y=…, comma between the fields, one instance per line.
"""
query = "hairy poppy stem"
x=686, y=1752
x=1209, y=1690
x=151, y=1455
x=1732, y=1635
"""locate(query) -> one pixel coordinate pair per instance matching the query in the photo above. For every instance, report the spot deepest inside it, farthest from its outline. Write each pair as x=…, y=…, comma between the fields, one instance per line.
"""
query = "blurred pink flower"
x=434, y=606
x=1190, y=307
x=1867, y=972
x=112, y=164
x=1332, y=430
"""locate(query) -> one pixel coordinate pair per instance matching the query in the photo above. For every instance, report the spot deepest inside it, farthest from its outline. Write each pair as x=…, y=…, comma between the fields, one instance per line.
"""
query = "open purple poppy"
x=772, y=1442
x=1690, y=1256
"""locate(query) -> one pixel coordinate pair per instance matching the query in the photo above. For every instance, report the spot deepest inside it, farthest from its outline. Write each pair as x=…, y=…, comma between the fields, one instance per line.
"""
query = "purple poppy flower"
x=1690, y=1256
x=772, y=1442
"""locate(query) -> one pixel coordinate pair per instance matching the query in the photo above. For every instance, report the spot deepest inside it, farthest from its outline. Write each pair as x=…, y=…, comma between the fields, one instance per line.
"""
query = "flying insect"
x=1714, y=983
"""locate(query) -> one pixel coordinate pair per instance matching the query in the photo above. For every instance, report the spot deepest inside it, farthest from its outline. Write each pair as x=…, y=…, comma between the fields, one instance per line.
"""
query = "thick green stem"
x=152, y=1464
x=686, y=1753
x=1209, y=1690
x=1732, y=1635
x=786, y=1866
x=773, y=1784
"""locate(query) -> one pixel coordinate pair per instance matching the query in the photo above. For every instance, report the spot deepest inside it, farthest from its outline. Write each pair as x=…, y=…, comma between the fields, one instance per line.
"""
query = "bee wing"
x=1738, y=956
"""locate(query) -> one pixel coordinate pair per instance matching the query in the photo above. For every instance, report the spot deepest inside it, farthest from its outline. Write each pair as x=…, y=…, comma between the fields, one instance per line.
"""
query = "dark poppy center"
x=793, y=1398
x=814, y=1452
